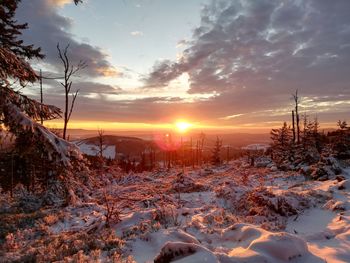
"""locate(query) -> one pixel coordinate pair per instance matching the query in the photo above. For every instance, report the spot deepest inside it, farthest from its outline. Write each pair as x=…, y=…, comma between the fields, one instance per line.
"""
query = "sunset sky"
x=230, y=64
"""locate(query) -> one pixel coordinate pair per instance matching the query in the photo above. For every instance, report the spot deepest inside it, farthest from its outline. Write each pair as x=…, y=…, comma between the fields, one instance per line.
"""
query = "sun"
x=183, y=126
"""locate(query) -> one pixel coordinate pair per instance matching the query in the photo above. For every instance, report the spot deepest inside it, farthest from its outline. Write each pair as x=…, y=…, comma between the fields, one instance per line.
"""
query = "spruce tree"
x=216, y=158
x=282, y=142
x=18, y=113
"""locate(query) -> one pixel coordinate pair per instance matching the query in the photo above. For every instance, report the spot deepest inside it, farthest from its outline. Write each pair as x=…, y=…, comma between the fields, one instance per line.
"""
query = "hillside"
x=122, y=145
x=233, y=213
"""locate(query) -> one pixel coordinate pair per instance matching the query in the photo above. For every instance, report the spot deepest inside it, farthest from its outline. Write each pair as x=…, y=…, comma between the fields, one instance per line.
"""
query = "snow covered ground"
x=93, y=150
x=256, y=147
x=233, y=213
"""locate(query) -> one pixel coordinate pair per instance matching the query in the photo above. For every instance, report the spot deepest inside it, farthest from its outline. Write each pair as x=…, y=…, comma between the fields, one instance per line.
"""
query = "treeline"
x=198, y=151
x=304, y=144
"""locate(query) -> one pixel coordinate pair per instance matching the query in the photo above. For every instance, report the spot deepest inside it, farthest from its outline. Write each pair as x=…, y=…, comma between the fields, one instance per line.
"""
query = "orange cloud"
x=109, y=72
x=59, y=2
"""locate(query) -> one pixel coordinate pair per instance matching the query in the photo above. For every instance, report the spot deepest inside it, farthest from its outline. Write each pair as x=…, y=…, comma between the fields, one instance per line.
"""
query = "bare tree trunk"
x=101, y=146
x=293, y=119
x=297, y=101
x=41, y=96
x=192, y=154
x=169, y=159
x=298, y=127
x=69, y=71
x=65, y=113
x=228, y=154
x=197, y=153
x=164, y=159
x=12, y=171
x=182, y=155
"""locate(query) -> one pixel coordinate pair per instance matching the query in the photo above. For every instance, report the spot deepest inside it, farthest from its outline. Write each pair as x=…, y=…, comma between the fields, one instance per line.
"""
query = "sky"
x=228, y=64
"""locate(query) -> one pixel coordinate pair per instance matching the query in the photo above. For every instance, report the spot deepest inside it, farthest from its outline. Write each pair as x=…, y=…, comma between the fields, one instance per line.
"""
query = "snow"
x=306, y=224
x=256, y=147
x=57, y=148
x=109, y=151
x=185, y=253
x=233, y=213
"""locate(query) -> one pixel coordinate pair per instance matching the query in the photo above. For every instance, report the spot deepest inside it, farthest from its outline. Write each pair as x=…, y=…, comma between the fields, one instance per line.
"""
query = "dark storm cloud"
x=47, y=28
x=256, y=53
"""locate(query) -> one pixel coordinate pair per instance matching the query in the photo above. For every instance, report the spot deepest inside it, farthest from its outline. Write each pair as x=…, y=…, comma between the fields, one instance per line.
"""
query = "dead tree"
x=101, y=143
x=192, y=154
x=41, y=95
x=293, y=121
x=200, y=147
x=228, y=154
x=112, y=209
x=69, y=72
x=297, y=101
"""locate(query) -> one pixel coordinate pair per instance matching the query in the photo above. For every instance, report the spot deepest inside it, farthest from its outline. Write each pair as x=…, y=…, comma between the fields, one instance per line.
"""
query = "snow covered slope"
x=232, y=213
x=92, y=149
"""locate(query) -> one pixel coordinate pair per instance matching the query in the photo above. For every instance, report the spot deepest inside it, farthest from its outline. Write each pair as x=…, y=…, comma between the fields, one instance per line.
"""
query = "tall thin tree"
x=293, y=121
x=69, y=72
x=297, y=101
x=101, y=143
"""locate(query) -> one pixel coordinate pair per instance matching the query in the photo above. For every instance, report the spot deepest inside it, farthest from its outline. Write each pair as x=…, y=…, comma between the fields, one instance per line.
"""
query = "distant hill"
x=134, y=146
x=127, y=146
x=239, y=139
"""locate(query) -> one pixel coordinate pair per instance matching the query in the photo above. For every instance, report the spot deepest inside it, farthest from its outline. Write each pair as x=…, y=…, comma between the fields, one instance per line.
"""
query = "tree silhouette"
x=18, y=113
x=216, y=158
x=297, y=102
x=69, y=71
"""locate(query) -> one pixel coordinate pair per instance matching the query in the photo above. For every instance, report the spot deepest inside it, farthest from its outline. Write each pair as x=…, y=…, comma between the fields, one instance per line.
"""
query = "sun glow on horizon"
x=183, y=126
x=179, y=126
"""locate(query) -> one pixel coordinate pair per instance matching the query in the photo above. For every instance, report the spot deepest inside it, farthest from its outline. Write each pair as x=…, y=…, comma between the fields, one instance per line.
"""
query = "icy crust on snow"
x=83, y=217
x=60, y=149
x=238, y=243
x=184, y=253
x=257, y=245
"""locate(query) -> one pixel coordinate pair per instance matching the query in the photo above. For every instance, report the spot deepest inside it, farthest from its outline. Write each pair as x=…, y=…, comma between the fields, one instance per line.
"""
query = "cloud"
x=100, y=102
x=59, y=2
x=251, y=54
x=256, y=53
x=93, y=87
x=182, y=43
x=47, y=28
x=84, y=87
x=232, y=116
x=136, y=33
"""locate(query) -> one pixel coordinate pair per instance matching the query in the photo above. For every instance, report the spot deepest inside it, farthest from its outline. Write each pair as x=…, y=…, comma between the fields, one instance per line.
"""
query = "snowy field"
x=232, y=213
x=93, y=150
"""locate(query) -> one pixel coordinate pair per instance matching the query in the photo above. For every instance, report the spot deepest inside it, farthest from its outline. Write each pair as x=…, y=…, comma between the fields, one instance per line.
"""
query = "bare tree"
x=297, y=101
x=112, y=209
x=69, y=71
x=200, y=147
x=293, y=121
x=101, y=143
